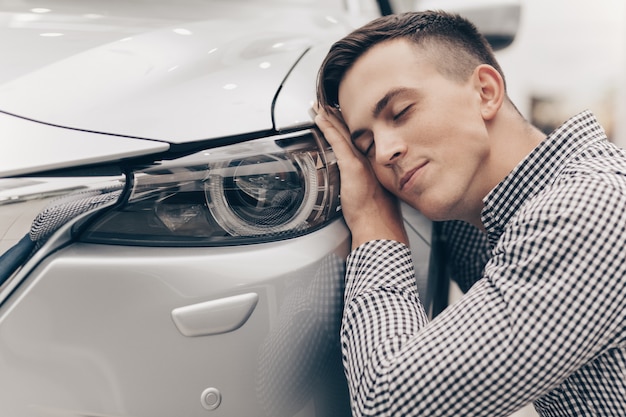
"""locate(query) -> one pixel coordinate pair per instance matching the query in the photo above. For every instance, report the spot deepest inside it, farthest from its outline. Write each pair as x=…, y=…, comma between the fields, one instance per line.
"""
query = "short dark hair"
x=452, y=42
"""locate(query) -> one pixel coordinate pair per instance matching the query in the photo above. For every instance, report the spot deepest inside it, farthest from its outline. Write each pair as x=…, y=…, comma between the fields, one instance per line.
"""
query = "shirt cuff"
x=379, y=263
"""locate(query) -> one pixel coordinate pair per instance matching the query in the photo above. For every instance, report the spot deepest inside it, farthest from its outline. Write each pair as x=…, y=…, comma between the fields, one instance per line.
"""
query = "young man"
x=415, y=108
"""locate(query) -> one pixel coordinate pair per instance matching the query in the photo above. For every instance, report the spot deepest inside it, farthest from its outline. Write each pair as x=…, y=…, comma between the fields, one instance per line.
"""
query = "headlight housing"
x=257, y=191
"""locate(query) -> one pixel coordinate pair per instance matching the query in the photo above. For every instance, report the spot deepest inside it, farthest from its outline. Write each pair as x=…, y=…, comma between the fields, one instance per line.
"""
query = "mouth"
x=409, y=175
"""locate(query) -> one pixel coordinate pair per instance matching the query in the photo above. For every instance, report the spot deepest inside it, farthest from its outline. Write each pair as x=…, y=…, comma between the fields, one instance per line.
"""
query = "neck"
x=513, y=138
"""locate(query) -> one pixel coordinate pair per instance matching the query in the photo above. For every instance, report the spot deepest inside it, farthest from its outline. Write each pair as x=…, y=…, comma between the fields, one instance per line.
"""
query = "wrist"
x=379, y=229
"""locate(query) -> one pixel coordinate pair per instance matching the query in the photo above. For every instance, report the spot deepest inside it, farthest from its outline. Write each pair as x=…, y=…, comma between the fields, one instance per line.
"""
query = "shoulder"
x=585, y=204
x=594, y=179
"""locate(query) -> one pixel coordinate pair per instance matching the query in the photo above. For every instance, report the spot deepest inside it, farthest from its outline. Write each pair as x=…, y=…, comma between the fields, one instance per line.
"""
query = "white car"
x=171, y=240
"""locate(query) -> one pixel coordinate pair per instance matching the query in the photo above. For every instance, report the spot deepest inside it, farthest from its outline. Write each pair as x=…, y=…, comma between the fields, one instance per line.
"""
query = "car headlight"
x=260, y=190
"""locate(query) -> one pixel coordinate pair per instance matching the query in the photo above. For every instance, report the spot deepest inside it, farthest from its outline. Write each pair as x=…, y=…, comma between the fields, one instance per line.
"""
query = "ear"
x=490, y=85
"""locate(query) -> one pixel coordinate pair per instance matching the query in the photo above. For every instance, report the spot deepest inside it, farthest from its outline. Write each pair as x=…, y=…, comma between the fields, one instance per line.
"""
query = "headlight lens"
x=261, y=190
x=246, y=202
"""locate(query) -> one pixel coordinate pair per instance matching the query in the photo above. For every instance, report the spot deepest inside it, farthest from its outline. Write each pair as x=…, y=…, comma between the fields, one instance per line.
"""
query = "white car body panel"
x=91, y=333
x=290, y=110
x=168, y=75
x=29, y=147
x=181, y=83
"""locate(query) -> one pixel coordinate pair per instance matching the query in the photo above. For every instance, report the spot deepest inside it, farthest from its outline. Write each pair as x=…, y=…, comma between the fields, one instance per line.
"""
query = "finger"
x=333, y=123
x=336, y=136
x=316, y=107
x=336, y=119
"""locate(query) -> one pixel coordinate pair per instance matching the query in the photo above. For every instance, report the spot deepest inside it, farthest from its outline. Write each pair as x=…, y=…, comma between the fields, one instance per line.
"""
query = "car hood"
x=170, y=77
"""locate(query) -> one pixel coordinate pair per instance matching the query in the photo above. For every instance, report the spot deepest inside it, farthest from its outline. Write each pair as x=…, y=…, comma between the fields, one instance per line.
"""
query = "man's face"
x=422, y=133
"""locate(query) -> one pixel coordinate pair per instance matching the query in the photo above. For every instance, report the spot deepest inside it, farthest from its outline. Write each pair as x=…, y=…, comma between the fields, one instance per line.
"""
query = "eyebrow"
x=381, y=104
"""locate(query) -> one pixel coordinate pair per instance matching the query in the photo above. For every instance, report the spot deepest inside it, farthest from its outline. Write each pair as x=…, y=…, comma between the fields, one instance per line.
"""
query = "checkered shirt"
x=544, y=323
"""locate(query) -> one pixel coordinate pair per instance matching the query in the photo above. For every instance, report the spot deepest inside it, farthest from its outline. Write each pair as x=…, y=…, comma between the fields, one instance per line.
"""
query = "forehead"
x=393, y=64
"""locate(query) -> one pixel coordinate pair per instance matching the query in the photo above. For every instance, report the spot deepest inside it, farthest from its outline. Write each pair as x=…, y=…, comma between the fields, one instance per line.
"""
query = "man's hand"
x=370, y=211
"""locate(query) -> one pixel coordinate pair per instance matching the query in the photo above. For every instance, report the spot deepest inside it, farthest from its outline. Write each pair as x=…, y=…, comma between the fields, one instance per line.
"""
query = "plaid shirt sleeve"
x=546, y=323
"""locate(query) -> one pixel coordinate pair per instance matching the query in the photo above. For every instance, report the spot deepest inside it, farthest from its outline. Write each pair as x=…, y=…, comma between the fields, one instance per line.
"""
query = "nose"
x=389, y=148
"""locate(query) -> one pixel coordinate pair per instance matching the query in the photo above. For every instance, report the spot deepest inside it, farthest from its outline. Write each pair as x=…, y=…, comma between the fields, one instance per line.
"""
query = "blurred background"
x=569, y=56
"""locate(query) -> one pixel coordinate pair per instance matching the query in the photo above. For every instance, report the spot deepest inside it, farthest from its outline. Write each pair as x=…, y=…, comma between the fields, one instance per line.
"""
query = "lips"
x=407, y=177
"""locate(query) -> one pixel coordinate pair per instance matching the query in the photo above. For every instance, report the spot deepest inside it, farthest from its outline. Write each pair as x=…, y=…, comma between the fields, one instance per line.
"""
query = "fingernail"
x=320, y=117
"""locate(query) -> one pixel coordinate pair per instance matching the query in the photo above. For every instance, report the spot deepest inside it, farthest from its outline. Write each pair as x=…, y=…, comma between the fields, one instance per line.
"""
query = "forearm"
x=370, y=337
x=468, y=360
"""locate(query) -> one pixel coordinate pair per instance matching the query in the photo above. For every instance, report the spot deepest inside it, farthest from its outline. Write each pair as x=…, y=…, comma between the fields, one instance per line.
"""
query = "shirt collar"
x=537, y=170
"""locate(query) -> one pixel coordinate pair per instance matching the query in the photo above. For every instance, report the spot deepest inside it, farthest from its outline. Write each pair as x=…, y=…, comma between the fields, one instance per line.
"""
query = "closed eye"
x=402, y=113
